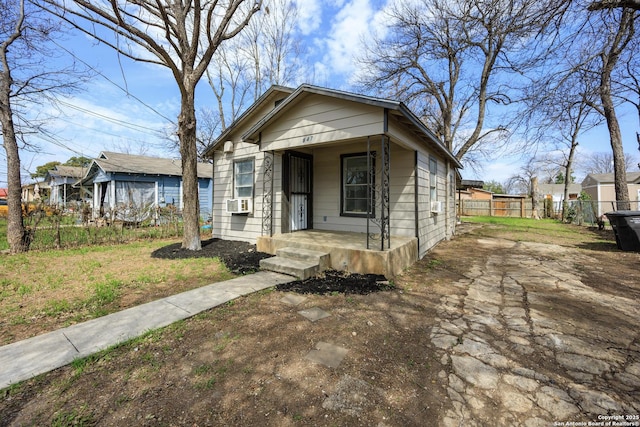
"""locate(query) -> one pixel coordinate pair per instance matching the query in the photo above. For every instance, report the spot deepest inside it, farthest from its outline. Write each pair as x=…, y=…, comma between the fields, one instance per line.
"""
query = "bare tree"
x=278, y=45
x=26, y=79
x=231, y=81
x=453, y=61
x=601, y=162
x=181, y=36
x=560, y=110
x=611, y=4
x=617, y=30
x=265, y=54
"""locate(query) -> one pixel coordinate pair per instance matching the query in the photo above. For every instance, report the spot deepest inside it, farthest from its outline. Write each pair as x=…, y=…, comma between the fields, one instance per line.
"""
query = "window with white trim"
x=433, y=176
x=243, y=178
x=355, y=191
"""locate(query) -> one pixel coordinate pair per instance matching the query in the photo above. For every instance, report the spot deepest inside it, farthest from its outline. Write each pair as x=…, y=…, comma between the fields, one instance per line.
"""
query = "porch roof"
x=400, y=111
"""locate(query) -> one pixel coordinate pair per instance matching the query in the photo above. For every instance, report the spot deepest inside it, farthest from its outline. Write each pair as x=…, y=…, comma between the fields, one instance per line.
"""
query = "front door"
x=299, y=190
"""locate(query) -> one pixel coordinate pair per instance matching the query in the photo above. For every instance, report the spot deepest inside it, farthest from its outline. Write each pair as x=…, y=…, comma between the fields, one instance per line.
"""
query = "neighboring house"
x=61, y=180
x=35, y=191
x=4, y=209
x=600, y=187
x=334, y=165
x=129, y=187
x=555, y=193
x=475, y=194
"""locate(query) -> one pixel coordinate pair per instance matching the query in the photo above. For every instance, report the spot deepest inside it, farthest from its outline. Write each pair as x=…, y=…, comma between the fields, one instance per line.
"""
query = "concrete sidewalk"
x=25, y=359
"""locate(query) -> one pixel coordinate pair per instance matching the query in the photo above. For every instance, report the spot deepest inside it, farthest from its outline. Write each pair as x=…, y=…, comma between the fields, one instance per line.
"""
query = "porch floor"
x=348, y=250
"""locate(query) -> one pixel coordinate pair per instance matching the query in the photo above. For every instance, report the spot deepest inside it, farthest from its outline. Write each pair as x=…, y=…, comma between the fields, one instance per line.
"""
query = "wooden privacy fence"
x=520, y=208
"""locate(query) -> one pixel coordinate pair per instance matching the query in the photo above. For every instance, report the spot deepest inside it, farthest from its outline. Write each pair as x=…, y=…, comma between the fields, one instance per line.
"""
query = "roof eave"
x=208, y=152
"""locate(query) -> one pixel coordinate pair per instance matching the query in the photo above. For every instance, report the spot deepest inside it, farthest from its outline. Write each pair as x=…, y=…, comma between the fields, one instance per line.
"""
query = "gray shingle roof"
x=111, y=162
x=609, y=177
x=68, y=171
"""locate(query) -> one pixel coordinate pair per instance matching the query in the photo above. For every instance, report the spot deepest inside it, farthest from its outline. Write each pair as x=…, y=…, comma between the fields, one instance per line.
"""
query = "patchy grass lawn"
x=543, y=231
x=44, y=290
x=243, y=363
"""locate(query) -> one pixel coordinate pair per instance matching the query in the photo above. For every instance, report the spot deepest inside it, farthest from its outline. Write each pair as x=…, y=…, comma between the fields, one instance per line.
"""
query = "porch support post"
x=379, y=192
x=385, y=213
x=370, y=189
x=267, y=194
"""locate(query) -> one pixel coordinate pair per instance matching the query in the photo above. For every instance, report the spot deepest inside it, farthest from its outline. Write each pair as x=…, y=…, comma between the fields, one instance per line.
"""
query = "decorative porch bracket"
x=378, y=193
x=267, y=194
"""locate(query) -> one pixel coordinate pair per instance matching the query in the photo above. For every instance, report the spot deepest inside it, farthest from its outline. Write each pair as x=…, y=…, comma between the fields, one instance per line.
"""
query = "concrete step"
x=293, y=267
x=301, y=254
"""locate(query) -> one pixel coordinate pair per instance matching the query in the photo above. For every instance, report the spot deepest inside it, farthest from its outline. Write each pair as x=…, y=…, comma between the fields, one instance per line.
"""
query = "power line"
x=125, y=90
x=122, y=123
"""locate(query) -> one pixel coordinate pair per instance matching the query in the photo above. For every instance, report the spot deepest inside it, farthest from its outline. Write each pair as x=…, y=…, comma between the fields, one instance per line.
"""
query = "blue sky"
x=105, y=117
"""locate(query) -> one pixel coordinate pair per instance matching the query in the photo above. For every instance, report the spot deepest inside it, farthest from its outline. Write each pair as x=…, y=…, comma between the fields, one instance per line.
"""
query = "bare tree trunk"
x=609, y=59
x=16, y=233
x=189, y=155
x=615, y=136
x=535, y=193
x=567, y=174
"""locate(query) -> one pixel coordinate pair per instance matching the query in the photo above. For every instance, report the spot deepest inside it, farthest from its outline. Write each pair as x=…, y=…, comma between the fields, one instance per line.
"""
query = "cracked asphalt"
x=524, y=339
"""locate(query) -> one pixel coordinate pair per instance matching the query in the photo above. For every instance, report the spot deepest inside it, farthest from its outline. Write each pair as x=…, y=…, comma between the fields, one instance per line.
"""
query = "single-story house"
x=475, y=194
x=600, y=187
x=130, y=187
x=61, y=180
x=359, y=178
x=35, y=191
x=555, y=193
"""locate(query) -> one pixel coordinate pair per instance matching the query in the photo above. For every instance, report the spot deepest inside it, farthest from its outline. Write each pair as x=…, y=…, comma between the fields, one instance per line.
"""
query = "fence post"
x=491, y=206
x=522, y=208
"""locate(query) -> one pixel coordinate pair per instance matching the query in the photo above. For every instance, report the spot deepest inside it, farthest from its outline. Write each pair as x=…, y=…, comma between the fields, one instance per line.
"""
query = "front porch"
x=348, y=250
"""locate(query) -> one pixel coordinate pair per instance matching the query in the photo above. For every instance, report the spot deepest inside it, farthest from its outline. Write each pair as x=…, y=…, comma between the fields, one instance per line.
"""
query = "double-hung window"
x=243, y=172
x=355, y=190
x=433, y=177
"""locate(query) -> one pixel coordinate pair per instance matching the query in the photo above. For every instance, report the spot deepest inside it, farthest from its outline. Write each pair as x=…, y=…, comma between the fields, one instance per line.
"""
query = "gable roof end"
x=208, y=152
x=253, y=133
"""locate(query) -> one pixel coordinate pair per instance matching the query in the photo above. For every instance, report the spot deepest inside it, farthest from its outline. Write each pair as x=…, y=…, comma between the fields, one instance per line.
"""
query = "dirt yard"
x=491, y=328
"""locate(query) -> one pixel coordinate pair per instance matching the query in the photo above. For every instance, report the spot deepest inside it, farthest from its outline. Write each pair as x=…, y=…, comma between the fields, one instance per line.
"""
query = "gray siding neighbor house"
x=61, y=180
x=322, y=165
x=129, y=187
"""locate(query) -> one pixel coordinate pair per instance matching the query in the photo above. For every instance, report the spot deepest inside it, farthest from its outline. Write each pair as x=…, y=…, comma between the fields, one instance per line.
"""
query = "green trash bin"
x=626, y=227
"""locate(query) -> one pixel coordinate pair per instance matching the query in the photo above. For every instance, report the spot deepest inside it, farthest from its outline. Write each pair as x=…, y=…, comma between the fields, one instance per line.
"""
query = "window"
x=355, y=192
x=433, y=176
x=243, y=178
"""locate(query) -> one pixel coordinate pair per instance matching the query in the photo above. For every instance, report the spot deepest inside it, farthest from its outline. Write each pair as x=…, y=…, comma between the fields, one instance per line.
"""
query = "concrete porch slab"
x=348, y=250
x=327, y=354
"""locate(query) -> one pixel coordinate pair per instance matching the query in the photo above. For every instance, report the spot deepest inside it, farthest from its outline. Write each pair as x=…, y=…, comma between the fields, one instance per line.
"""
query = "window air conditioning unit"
x=239, y=206
x=436, y=206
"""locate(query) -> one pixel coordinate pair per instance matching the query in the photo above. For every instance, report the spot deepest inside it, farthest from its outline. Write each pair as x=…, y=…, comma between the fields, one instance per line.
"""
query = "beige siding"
x=319, y=120
x=327, y=190
x=432, y=228
x=401, y=135
x=262, y=110
x=242, y=227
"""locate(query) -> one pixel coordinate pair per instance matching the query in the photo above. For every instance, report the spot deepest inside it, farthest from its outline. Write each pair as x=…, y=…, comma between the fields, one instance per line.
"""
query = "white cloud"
x=352, y=26
x=309, y=15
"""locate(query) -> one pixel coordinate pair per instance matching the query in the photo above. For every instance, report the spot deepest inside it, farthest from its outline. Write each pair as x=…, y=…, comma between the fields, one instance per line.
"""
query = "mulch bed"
x=331, y=281
x=239, y=257
x=243, y=258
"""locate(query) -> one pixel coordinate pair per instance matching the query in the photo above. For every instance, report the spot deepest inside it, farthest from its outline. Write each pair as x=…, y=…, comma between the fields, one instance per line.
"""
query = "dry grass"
x=42, y=291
